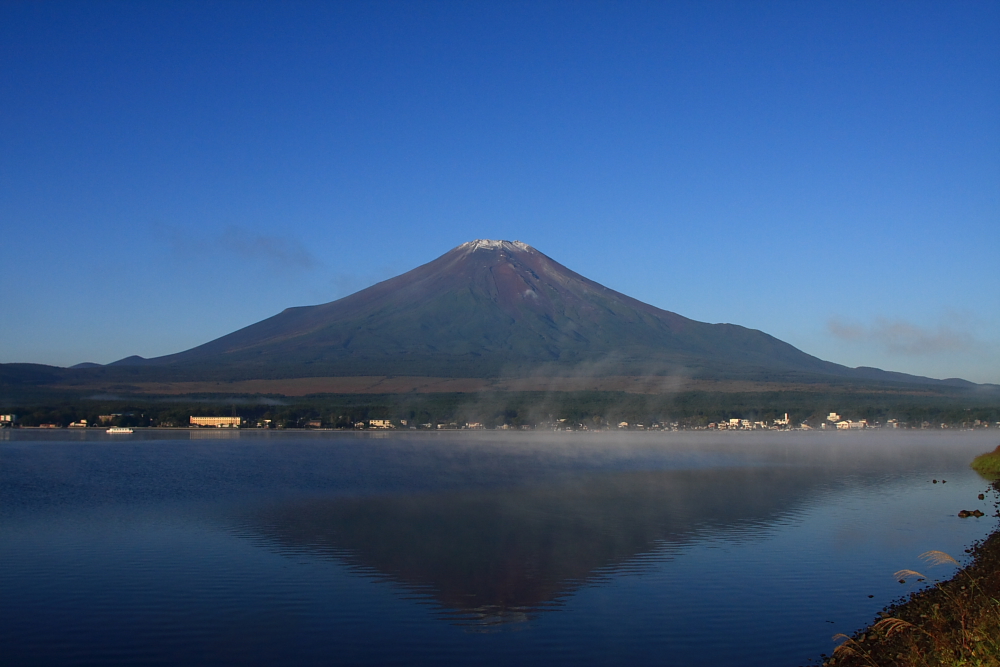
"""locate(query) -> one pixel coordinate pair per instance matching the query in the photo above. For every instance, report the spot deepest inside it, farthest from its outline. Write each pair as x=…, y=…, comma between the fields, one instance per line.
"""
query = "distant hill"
x=490, y=309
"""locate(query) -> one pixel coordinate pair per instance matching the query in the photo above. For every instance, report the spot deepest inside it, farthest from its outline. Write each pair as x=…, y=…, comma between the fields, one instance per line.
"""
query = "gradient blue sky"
x=826, y=172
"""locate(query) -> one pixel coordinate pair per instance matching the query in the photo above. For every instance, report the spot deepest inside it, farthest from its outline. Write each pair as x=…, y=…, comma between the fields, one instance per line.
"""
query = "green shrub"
x=988, y=465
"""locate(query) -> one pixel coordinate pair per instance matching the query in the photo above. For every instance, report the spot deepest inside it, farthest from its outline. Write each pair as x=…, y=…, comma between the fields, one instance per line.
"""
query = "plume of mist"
x=549, y=384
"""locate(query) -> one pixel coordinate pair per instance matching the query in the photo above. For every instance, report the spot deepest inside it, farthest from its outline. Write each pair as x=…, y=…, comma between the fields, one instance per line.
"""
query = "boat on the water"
x=119, y=429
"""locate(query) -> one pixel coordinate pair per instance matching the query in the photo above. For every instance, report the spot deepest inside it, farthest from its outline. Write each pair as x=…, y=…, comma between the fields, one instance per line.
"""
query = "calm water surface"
x=209, y=548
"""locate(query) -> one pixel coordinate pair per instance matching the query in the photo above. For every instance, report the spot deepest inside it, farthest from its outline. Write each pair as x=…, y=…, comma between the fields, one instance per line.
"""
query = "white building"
x=218, y=422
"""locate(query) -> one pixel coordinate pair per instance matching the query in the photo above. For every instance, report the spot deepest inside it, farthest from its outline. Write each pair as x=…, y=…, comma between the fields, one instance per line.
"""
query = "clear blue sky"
x=826, y=172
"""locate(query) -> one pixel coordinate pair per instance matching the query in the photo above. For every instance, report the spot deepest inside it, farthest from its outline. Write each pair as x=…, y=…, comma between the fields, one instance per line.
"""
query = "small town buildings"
x=380, y=423
x=742, y=425
x=217, y=422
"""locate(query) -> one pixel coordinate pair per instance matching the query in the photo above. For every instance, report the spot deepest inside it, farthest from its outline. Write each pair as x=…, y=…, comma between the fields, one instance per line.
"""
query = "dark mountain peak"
x=495, y=308
x=489, y=308
x=134, y=360
x=517, y=279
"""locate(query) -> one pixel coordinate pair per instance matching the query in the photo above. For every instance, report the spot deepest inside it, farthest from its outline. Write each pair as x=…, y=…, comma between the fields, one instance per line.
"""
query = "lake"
x=263, y=547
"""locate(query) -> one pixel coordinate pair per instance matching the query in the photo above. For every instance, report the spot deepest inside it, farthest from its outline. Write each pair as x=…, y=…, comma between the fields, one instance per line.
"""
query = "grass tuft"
x=892, y=626
x=938, y=558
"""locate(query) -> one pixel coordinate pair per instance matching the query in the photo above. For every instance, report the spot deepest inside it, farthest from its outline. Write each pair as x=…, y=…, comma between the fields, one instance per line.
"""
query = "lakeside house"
x=217, y=422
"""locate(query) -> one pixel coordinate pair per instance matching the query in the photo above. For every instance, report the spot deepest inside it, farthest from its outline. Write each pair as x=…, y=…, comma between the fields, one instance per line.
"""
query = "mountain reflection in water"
x=499, y=555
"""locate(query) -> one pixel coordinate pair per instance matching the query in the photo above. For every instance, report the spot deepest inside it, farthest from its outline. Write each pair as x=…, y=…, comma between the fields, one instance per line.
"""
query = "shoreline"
x=537, y=428
x=953, y=622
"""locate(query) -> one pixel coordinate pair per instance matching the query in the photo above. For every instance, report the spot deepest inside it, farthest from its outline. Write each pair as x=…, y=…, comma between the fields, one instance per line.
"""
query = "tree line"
x=515, y=409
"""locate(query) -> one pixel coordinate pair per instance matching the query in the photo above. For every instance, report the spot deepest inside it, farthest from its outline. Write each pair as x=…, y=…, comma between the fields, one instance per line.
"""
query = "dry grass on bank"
x=954, y=623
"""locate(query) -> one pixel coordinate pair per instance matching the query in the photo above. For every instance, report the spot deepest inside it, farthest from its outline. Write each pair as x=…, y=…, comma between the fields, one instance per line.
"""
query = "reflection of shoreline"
x=496, y=556
x=213, y=434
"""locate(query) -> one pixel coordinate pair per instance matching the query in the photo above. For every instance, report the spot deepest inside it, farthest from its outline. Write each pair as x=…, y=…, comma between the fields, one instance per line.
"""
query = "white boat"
x=119, y=429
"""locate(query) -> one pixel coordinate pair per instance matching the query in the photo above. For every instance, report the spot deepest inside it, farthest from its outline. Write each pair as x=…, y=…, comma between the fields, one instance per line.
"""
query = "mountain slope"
x=495, y=308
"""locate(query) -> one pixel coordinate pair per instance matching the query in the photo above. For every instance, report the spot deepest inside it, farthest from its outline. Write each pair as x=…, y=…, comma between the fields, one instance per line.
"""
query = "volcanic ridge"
x=490, y=310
